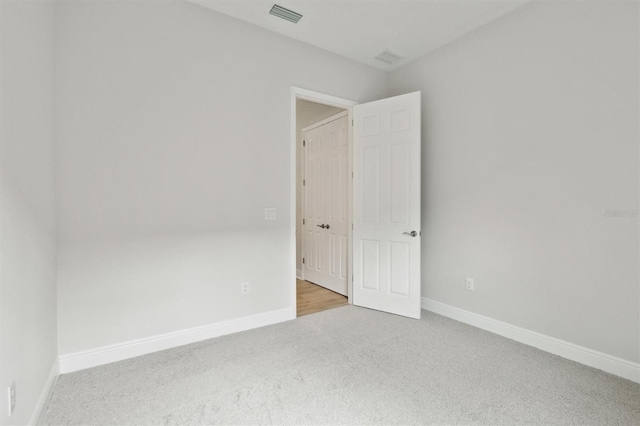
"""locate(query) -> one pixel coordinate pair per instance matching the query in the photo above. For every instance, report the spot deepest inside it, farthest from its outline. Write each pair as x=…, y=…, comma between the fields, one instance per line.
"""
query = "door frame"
x=303, y=194
x=321, y=98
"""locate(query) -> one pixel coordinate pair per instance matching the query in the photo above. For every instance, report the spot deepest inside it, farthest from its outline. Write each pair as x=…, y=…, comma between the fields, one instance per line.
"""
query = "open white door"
x=386, y=214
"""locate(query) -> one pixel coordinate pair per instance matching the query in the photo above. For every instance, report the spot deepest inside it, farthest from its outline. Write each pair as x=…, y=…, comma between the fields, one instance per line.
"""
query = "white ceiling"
x=361, y=29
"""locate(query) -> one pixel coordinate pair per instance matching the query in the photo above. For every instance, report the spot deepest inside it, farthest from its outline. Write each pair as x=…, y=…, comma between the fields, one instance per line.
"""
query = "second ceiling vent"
x=388, y=57
x=286, y=14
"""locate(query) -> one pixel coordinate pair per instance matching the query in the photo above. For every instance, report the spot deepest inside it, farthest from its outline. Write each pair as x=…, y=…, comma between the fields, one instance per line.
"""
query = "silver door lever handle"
x=412, y=233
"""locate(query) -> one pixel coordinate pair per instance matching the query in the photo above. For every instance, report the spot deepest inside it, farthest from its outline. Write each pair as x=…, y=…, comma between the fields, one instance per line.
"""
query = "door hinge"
x=304, y=143
x=303, y=221
x=303, y=260
x=304, y=182
x=352, y=226
x=352, y=122
x=353, y=175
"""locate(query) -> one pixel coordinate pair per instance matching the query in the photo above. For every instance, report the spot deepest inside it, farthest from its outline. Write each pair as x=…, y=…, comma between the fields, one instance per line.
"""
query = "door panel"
x=371, y=265
x=399, y=171
x=399, y=268
x=370, y=184
x=386, y=256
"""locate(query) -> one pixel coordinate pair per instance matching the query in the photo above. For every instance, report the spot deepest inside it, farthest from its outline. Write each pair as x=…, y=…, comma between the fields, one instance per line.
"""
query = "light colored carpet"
x=347, y=366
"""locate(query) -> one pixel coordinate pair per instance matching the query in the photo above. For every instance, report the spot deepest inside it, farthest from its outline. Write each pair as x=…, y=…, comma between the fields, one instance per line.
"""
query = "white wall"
x=307, y=113
x=530, y=133
x=28, y=342
x=174, y=136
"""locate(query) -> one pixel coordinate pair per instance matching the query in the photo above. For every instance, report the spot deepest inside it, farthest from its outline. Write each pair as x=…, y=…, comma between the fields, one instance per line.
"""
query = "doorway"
x=322, y=202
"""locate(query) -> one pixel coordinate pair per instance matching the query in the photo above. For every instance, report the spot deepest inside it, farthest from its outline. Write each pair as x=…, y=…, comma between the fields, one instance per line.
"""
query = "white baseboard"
x=299, y=274
x=125, y=350
x=46, y=392
x=611, y=364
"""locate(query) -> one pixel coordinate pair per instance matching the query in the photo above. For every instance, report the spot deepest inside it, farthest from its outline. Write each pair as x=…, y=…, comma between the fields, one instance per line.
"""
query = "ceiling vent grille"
x=388, y=57
x=285, y=14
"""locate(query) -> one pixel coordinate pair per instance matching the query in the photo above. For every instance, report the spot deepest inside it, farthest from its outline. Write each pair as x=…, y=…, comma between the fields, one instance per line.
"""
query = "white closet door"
x=386, y=236
x=337, y=220
x=315, y=257
x=326, y=204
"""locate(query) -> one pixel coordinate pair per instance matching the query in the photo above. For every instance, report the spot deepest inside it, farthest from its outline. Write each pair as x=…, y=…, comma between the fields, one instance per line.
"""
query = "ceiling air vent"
x=285, y=13
x=388, y=57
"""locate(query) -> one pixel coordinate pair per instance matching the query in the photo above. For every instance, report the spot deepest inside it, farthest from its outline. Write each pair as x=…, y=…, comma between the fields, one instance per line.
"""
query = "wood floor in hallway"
x=314, y=298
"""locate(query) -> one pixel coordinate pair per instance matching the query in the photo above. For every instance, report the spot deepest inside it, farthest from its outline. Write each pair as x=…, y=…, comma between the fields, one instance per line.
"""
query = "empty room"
x=319, y=212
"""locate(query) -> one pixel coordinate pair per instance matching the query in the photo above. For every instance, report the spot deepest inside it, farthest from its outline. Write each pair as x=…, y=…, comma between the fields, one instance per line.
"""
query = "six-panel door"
x=326, y=204
x=386, y=236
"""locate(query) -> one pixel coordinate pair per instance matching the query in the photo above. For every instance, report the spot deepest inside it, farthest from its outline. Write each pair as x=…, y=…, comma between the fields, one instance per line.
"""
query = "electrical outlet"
x=244, y=288
x=11, y=397
x=469, y=284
